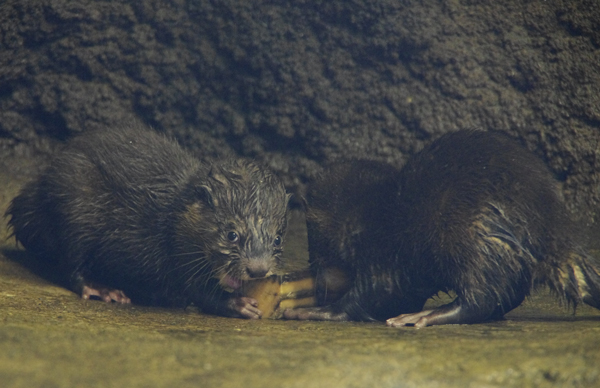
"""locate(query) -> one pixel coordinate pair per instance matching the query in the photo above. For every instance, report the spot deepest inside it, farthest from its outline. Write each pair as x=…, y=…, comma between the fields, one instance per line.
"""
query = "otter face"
x=247, y=249
x=239, y=219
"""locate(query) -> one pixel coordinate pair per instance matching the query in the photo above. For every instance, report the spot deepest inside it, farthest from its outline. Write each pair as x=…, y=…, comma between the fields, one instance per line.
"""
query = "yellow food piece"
x=277, y=293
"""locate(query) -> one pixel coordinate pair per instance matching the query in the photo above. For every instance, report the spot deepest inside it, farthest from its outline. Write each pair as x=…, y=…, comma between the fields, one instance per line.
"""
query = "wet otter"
x=347, y=220
x=127, y=213
x=473, y=212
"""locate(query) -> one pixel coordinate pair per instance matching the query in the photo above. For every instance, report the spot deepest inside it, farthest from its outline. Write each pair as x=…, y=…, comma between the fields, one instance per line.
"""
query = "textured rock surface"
x=299, y=83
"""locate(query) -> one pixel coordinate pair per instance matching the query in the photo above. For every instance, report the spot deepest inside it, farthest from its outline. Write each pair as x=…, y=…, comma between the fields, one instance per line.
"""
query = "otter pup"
x=126, y=213
x=473, y=212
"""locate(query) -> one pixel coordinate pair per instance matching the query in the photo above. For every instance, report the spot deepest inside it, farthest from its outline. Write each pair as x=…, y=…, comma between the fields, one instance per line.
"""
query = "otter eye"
x=277, y=241
x=233, y=236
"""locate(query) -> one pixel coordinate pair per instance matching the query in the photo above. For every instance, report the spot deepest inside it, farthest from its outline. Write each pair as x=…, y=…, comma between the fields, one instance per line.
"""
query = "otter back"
x=128, y=209
x=473, y=212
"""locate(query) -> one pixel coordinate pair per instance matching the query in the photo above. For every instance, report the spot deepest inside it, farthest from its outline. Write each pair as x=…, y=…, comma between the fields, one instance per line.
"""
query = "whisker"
x=188, y=253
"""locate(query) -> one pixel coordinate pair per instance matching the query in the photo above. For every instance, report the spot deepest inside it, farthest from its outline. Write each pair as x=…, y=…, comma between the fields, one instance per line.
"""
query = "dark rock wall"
x=298, y=83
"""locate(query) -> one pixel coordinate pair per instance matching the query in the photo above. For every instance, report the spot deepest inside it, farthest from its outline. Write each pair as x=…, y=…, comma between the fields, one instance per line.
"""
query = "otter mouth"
x=230, y=283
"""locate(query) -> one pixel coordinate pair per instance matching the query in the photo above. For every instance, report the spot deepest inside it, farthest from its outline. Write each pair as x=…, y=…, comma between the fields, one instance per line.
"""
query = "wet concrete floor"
x=51, y=338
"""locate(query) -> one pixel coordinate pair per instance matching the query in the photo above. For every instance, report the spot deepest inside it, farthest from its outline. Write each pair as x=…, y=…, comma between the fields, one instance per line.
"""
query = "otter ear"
x=204, y=193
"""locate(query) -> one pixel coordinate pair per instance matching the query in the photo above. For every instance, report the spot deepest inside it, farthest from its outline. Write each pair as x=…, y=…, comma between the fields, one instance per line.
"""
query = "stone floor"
x=51, y=338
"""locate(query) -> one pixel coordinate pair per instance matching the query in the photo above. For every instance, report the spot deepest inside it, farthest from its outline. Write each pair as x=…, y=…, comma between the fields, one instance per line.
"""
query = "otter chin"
x=127, y=215
x=473, y=213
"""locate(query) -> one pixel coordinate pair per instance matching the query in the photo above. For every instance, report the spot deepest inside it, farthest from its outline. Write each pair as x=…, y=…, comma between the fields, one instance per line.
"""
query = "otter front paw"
x=315, y=314
x=106, y=294
x=243, y=307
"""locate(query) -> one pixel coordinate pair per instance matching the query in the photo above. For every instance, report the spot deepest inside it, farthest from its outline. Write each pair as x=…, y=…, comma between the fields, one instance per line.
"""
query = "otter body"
x=474, y=213
x=126, y=213
x=348, y=220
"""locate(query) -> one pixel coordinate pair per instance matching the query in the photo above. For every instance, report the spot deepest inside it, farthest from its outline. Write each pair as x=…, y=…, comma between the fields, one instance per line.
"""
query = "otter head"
x=236, y=222
x=330, y=253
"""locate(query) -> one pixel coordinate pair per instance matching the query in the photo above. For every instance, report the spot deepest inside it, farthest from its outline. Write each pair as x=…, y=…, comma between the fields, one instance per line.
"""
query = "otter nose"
x=257, y=270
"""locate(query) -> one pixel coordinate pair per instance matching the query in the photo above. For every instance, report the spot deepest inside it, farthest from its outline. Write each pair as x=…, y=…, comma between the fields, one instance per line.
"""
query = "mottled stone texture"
x=298, y=83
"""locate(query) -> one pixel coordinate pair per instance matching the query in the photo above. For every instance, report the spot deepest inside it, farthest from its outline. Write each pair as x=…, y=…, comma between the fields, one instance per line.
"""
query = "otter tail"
x=31, y=220
x=579, y=280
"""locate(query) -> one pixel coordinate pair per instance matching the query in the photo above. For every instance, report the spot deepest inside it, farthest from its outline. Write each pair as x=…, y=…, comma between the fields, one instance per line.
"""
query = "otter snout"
x=258, y=268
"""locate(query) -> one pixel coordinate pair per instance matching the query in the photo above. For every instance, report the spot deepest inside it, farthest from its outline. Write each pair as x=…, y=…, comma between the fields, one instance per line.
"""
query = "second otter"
x=473, y=212
x=126, y=213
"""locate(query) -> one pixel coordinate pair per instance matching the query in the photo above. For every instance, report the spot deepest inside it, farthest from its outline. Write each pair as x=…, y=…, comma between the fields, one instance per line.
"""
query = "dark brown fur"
x=130, y=210
x=473, y=212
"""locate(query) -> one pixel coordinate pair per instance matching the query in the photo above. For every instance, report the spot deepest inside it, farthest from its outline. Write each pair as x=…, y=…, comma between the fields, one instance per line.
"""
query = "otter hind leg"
x=457, y=312
x=491, y=275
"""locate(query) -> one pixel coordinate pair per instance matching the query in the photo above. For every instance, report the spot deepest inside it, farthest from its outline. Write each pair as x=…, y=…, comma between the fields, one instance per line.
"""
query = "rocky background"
x=300, y=83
